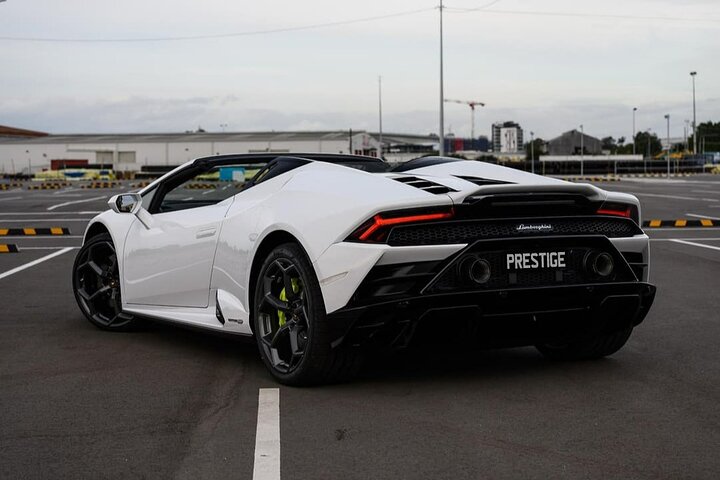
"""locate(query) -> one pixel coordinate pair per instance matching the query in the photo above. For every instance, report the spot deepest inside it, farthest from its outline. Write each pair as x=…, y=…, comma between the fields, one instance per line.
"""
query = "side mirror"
x=126, y=203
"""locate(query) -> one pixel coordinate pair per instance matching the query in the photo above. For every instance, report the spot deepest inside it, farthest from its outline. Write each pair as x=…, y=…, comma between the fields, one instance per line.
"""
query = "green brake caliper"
x=295, y=282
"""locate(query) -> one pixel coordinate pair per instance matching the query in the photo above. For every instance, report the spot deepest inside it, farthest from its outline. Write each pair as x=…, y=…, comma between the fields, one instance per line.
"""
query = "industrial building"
x=132, y=152
x=574, y=143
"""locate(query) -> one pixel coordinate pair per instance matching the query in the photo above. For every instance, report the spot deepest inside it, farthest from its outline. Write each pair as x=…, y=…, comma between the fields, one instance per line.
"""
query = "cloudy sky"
x=550, y=65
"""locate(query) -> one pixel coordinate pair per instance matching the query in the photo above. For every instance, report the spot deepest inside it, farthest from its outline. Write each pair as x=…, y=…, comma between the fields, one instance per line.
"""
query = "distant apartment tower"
x=507, y=137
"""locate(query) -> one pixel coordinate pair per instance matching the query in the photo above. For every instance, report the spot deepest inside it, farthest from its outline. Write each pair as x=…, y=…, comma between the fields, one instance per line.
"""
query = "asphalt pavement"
x=165, y=402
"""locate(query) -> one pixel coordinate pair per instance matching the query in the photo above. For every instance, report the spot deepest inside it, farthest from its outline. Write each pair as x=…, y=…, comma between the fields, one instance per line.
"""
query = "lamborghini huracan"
x=325, y=259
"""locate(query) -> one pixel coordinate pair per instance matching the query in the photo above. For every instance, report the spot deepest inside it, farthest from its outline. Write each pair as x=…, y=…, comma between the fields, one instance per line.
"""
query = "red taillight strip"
x=379, y=221
x=616, y=213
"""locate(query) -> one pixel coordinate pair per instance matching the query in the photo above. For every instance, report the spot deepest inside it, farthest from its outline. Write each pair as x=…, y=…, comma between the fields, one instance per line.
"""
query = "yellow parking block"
x=680, y=223
x=3, y=231
x=56, y=231
x=706, y=223
x=655, y=223
x=29, y=231
x=4, y=249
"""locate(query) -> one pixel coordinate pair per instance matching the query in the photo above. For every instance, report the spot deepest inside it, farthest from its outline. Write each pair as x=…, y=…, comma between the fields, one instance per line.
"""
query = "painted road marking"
x=267, y=436
x=677, y=197
x=90, y=212
x=38, y=237
x=702, y=216
x=73, y=202
x=28, y=220
x=36, y=262
x=685, y=242
x=698, y=239
x=9, y=198
x=48, y=248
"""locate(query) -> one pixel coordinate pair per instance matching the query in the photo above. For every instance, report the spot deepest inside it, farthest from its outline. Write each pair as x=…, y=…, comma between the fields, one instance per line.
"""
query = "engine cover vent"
x=426, y=185
x=483, y=181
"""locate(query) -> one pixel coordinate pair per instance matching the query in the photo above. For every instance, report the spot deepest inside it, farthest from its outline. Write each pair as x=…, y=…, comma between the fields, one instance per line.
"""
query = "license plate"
x=535, y=260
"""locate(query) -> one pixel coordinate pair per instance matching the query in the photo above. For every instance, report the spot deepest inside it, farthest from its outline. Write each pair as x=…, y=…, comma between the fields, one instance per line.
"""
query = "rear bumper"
x=499, y=317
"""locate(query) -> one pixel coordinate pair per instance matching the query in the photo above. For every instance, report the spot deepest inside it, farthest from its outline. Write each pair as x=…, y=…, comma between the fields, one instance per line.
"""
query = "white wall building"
x=131, y=152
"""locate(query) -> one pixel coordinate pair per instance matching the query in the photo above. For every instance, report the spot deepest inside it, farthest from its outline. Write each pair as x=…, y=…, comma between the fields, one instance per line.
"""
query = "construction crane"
x=472, y=105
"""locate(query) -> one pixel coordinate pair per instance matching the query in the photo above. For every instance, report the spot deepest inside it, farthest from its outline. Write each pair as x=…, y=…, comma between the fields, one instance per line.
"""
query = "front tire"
x=290, y=323
x=96, y=284
x=599, y=346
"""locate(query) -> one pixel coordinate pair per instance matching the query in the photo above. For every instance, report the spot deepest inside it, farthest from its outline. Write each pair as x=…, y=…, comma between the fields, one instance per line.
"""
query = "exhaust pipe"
x=600, y=264
x=475, y=269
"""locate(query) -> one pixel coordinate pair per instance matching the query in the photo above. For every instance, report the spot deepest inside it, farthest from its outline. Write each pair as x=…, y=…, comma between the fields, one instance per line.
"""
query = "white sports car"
x=326, y=257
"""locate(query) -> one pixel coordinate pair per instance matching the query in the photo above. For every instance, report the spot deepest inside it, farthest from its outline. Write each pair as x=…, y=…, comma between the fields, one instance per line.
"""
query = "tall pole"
x=694, y=125
x=532, y=152
x=442, y=88
x=582, y=150
x=667, y=153
x=380, y=147
x=633, y=137
x=472, y=121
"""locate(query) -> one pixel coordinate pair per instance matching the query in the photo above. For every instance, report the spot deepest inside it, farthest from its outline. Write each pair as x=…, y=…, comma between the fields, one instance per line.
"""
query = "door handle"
x=206, y=232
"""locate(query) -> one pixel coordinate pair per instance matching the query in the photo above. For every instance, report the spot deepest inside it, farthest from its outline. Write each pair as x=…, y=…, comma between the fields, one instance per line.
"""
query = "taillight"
x=616, y=209
x=376, y=229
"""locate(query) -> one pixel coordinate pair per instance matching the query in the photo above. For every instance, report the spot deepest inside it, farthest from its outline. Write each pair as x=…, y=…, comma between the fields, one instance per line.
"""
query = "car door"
x=169, y=262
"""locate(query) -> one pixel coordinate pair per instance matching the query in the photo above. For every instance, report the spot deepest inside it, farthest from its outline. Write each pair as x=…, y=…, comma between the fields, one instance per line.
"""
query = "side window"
x=207, y=188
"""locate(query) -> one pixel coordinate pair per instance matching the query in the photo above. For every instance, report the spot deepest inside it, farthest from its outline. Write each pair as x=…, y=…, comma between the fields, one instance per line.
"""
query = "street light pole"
x=582, y=150
x=633, y=137
x=667, y=153
x=441, y=150
x=380, y=146
x=692, y=74
x=532, y=151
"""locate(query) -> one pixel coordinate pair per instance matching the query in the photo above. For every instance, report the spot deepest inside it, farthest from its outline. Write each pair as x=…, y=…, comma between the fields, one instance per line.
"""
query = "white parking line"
x=43, y=220
x=695, y=244
x=44, y=248
x=677, y=197
x=9, y=198
x=706, y=191
x=698, y=239
x=702, y=216
x=35, y=262
x=51, y=213
x=76, y=201
x=267, y=436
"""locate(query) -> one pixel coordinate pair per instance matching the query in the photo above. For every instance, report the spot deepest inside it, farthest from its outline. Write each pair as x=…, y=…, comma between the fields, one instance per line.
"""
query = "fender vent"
x=426, y=185
x=483, y=181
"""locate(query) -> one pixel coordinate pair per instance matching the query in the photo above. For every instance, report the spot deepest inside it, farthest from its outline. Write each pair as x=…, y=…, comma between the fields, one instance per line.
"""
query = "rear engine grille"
x=468, y=231
x=426, y=185
x=483, y=181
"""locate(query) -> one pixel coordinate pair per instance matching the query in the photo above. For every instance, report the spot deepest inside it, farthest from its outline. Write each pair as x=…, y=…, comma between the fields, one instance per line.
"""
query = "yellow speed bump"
x=655, y=223
x=680, y=223
x=29, y=231
x=56, y=231
x=8, y=248
x=706, y=223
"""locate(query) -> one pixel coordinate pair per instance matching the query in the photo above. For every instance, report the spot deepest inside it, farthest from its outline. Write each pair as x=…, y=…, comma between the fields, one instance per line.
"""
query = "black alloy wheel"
x=96, y=284
x=290, y=323
x=283, y=323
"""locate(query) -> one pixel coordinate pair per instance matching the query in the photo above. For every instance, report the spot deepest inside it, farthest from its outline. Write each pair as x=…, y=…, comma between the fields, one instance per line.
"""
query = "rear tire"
x=602, y=345
x=290, y=323
x=96, y=285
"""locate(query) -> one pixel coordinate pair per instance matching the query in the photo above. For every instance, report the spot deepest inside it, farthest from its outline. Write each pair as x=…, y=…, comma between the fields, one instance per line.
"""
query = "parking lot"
x=164, y=402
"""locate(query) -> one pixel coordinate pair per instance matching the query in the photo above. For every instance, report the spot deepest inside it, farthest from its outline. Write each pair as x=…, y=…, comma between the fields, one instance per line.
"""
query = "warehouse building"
x=572, y=142
x=133, y=152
